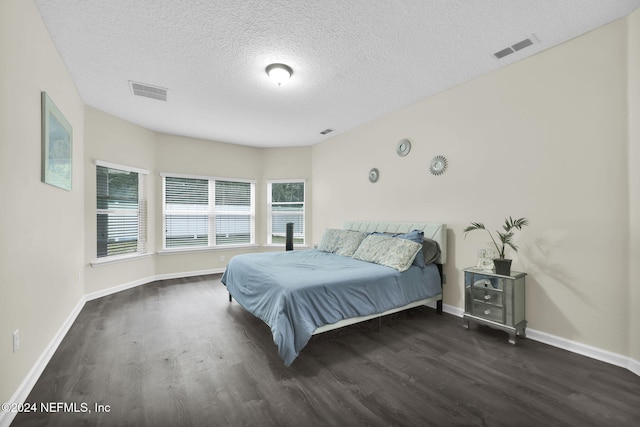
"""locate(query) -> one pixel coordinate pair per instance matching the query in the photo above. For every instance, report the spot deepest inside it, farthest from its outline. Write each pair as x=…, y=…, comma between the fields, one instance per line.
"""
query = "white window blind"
x=121, y=211
x=186, y=212
x=208, y=212
x=285, y=204
x=234, y=212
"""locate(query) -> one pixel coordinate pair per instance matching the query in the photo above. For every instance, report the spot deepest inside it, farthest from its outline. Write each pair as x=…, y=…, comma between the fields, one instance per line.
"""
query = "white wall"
x=531, y=139
x=42, y=238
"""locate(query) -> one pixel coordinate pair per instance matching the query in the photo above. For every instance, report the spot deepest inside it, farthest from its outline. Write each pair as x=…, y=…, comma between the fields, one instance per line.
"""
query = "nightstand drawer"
x=487, y=311
x=483, y=282
x=487, y=296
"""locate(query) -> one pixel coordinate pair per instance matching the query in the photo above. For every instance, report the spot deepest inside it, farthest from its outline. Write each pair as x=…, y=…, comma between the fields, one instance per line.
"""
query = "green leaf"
x=475, y=226
x=506, y=237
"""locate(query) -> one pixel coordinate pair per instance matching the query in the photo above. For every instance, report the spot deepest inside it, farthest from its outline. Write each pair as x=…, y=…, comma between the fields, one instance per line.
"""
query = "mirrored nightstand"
x=495, y=300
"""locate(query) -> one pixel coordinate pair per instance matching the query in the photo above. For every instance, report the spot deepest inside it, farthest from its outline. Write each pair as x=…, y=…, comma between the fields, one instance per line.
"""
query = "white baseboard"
x=572, y=346
x=583, y=349
x=116, y=289
x=450, y=309
x=21, y=394
x=188, y=274
x=124, y=287
x=634, y=366
x=30, y=380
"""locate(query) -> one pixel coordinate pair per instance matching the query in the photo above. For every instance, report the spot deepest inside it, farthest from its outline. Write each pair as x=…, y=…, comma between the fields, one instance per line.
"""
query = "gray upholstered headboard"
x=433, y=231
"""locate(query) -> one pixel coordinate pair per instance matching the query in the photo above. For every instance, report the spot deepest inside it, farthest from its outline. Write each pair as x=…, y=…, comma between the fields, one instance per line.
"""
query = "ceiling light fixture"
x=279, y=73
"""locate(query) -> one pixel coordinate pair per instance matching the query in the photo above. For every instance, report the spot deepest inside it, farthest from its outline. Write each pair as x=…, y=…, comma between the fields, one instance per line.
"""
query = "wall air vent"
x=148, y=91
x=326, y=131
x=516, y=47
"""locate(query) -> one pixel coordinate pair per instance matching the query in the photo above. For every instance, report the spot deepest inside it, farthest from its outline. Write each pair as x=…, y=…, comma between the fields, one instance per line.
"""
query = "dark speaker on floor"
x=289, y=243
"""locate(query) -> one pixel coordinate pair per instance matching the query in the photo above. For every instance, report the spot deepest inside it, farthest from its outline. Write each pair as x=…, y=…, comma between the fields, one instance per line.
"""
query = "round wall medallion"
x=403, y=147
x=374, y=175
x=438, y=165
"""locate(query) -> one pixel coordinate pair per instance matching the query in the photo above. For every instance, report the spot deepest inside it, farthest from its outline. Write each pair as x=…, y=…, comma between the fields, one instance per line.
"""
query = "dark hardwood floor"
x=177, y=353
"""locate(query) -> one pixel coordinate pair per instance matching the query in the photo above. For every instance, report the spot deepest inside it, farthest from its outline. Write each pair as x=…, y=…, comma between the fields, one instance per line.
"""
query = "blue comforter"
x=296, y=292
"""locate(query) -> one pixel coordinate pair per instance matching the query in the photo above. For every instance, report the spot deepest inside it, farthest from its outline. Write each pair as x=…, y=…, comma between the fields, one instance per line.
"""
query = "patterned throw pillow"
x=388, y=251
x=341, y=242
x=415, y=236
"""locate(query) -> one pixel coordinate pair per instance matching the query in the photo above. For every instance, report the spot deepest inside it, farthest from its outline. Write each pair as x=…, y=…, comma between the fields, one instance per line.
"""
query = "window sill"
x=118, y=258
x=204, y=249
x=280, y=246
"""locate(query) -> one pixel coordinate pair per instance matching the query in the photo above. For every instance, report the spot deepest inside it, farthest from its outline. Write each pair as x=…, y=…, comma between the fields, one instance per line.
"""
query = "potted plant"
x=502, y=264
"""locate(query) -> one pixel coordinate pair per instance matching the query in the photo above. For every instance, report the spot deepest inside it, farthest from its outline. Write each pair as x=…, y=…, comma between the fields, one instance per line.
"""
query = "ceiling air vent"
x=521, y=45
x=148, y=91
x=326, y=131
x=503, y=53
x=516, y=47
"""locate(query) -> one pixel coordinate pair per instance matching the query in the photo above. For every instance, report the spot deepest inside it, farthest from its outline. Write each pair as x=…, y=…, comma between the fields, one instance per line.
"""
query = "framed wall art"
x=57, y=146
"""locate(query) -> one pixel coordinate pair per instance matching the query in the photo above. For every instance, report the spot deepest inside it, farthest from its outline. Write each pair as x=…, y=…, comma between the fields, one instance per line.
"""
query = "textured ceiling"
x=353, y=60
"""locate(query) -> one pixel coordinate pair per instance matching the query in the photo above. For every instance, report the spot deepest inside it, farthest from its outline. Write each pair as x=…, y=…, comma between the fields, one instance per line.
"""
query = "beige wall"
x=531, y=140
x=182, y=155
x=634, y=185
x=42, y=239
x=113, y=140
x=289, y=163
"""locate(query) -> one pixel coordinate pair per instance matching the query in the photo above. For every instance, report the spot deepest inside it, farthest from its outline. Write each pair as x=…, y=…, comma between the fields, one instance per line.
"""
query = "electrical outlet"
x=221, y=258
x=16, y=340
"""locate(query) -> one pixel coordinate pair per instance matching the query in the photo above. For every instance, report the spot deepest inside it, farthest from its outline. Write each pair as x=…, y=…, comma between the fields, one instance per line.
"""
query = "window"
x=285, y=204
x=202, y=212
x=121, y=210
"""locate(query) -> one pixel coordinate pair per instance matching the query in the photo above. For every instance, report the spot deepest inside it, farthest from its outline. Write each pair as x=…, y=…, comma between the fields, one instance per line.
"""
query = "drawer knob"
x=487, y=297
x=487, y=312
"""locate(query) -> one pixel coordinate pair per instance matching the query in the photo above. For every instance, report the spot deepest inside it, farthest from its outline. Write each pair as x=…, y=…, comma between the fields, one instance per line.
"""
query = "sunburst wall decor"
x=438, y=165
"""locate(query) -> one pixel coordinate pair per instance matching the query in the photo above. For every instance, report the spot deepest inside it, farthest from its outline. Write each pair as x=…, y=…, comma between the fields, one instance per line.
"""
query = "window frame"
x=142, y=249
x=270, y=212
x=211, y=212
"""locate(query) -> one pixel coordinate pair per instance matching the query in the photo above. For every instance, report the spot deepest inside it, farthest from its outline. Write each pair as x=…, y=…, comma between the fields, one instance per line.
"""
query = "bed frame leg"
x=230, y=297
x=439, y=302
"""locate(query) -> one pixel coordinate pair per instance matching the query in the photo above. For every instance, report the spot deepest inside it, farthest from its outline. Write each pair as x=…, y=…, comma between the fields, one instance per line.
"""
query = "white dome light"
x=279, y=73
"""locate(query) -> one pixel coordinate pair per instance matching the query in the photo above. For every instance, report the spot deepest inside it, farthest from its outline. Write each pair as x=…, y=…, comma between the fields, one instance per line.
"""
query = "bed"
x=362, y=271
